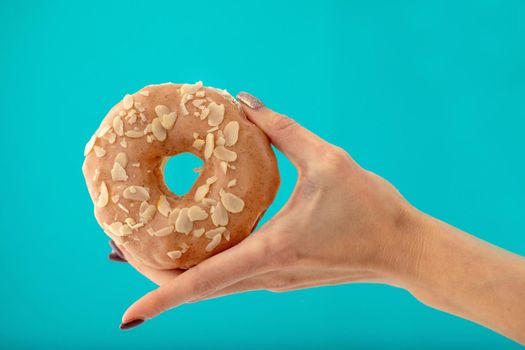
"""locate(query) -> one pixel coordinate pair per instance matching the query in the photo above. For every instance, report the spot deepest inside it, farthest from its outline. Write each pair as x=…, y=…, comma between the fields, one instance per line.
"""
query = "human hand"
x=341, y=224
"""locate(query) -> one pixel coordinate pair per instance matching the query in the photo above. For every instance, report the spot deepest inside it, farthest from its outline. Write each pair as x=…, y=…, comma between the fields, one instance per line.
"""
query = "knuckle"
x=281, y=123
x=334, y=162
x=201, y=286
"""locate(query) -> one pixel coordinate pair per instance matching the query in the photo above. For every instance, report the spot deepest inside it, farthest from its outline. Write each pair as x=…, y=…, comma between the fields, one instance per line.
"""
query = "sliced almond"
x=226, y=235
x=214, y=243
x=198, y=232
x=184, y=247
x=158, y=130
x=134, y=134
x=161, y=110
x=163, y=231
x=204, y=114
x=163, y=206
x=168, y=120
x=173, y=216
x=96, y=175
x=209, y=201
x=216, y=114
x=103, y=131
x=219, y=217
x=231, y=202
x=144, y=92
x=175, y=254
x=122, y=159
x=136, y=193
x=90, y=144
x=183, y=223
x=103, y=196
x=201, y=192
x=232, y=183
x=118, y=173
x=211, y=180
x=216, y=231
x=196, y=213
x=115, y=198
x=198, y=102
x=121, y=206
x=225, y=154
x=190, y=88
x=147, y=212
x=224, y=167
x=220, y=141
x=198, y=143
x=99, y=151
x=231, y=133
x=127, y=102
x=111, y=137
x=208, y=148
x=124, y=143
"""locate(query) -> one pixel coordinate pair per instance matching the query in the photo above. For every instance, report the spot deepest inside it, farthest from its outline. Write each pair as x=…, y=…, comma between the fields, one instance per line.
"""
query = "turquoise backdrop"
x=429, y=94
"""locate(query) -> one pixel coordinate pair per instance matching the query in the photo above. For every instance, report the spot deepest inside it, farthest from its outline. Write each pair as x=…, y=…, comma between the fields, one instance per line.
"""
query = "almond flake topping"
x=214, y=232
x=134, y=134
x=118, y=173
x=208, y=149
x=158, y=130
x=121, y=206
x=136, y=193
x=96, y=175
x=122, y=159
x=161, y=110
x=204, y=114
x=209, y=201
x=144, y=93
x=103, y=131
x=224, y=167
x=103, y=197
x=190, y=88
x=163, y=231
x=183, y=223
x=168, y=120
x=175, y=254
x=196, y=213
x=146, y=212
x=219, y=217
x=231, y=202
x=198, y=232
x=127, y=102
x=232, y=183
x=216, y=114
x=198, y=143
x=163, y=206
x=225, y=154
x=214, y=243
x=119, y=229
x=200, y=93
x=173, y=216
x=90, y=144
x=99, y=151
x=115, y=198
x=124, y=143
x=231, y=133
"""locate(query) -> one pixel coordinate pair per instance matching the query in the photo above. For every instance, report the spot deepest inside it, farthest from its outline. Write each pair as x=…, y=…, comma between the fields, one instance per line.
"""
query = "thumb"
x=297, y=143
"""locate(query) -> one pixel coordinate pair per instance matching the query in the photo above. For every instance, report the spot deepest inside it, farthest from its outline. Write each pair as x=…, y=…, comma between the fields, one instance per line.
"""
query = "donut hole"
x=179, y=174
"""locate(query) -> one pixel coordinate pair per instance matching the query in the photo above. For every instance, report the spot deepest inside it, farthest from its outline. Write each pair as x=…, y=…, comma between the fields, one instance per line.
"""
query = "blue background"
x=429, y=94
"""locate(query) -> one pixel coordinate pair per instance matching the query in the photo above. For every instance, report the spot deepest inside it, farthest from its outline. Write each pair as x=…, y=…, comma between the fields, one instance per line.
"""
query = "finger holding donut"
x=325, y=234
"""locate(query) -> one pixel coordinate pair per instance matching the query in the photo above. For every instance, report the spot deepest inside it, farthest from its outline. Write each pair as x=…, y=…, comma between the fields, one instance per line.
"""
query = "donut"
x=124, y=172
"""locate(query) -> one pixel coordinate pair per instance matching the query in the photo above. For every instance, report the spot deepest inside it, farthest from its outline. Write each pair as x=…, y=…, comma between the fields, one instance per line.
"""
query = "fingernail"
x=249, y=100
x=131, y=324
x=116, y=254
x=115, y=257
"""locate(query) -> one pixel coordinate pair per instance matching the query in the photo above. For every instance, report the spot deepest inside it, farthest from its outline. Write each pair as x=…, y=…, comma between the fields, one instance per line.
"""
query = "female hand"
x=340, y=225
x=345, y=224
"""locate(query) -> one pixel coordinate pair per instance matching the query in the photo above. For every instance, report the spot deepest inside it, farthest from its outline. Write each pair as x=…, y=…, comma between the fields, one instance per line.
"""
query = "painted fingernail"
x=249, y=100
x=131, y=324
x=116, y=254
x=115, y=257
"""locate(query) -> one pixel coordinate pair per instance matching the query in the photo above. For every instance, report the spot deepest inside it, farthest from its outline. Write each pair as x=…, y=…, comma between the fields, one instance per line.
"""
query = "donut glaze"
x=124, y=165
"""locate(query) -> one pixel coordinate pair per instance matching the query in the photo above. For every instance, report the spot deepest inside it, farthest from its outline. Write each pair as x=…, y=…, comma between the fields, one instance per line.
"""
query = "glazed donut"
x=124, y=166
